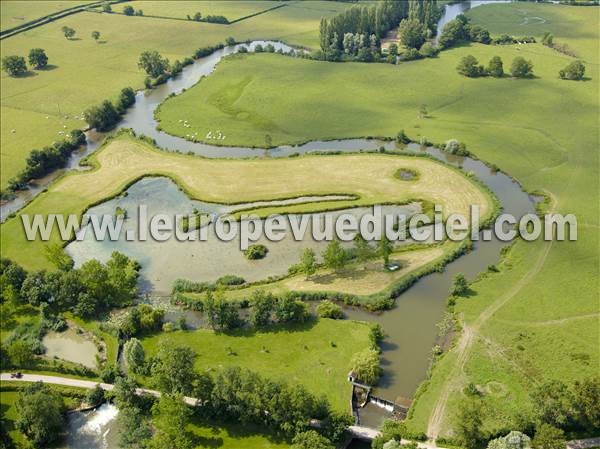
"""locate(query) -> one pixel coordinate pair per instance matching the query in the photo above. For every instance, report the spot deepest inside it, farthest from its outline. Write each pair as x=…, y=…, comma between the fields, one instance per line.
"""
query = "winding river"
x=410, y=326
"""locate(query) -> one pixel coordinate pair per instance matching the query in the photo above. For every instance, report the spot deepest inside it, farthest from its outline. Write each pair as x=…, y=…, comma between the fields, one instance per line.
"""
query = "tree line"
x=228, y=394
x=41, y=162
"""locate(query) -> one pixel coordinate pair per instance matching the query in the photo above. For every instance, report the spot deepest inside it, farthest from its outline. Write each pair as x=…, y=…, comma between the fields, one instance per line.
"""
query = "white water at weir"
x=95, y=429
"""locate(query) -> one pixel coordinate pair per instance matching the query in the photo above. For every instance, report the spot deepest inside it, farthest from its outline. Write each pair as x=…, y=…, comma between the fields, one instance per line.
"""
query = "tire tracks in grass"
x=470, y=334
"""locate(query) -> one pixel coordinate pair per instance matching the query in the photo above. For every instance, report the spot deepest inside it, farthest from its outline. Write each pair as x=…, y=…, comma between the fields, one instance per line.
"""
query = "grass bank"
x=368, y=177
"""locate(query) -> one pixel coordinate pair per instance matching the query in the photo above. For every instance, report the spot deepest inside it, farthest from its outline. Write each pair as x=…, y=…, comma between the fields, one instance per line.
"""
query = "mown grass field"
x=369, y=177
x=315, y=355
x=16, y=12
x=233, y=10
x=83, y=73
x=543, y=131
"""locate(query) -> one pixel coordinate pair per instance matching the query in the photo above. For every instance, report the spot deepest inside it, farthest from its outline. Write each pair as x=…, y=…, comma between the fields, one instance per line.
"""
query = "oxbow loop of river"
x=409, y=326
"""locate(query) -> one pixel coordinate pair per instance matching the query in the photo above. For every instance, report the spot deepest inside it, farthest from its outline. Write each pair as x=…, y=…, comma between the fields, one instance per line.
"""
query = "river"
x=410, y=326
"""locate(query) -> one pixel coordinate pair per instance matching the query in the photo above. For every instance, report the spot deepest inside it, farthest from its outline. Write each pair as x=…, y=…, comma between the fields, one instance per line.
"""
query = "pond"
x=70, y=346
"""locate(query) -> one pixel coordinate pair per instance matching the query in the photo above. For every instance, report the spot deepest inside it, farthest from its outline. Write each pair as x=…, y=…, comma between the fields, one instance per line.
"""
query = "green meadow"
x=16, y=12
x=543, y=131
x=232, y=10
x=315, y=355
x=83, y=73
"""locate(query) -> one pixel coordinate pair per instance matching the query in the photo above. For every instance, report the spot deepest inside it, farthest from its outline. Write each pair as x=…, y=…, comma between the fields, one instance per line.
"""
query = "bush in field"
x=230, y=41
x=365, y=365
x=230, y=279
x=255, y=252
x=469, y=66
x=495, y=67
x=329, y=309
x=38, y=58
x=14, y=65
x=308, y=262
x=334, y=256
x=128, y=10
x=460, y=285
x=521, y=68
x=574, y=71
x=96, y=35
x=68, y=32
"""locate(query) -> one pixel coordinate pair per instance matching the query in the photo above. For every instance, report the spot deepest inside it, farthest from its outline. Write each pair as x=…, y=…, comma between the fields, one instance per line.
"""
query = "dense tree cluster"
x=246, y=397
x=38, y=58
x=40, y=414
x=573, y=71
x=460, y=29
x=268, y=308
x=470, y=67
x=41, y=162
x=84, y=291
x=106, y=115
x=372, y=22
x=15, y=65
x=141, y=319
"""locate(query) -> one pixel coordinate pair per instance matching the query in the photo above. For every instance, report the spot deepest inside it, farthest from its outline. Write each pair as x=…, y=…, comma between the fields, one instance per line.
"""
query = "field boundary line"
x=4, y=34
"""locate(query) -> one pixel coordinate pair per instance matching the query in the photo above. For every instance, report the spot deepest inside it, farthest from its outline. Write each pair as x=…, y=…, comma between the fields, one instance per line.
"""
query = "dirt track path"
x=469, y=335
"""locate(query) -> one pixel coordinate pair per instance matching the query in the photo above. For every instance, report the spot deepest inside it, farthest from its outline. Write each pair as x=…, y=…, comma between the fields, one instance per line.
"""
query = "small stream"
x=410, y=326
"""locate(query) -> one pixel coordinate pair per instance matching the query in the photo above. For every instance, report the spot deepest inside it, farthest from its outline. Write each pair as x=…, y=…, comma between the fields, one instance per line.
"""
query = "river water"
x=410, y=326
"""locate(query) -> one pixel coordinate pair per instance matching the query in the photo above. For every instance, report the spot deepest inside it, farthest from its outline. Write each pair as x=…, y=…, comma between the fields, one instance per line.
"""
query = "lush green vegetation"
x=322, y=348
x=38, y=107
x=15, y=13
x=548, y=147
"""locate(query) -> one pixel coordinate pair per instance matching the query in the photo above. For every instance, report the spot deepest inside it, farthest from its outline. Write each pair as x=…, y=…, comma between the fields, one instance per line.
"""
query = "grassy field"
x=543, y=131
x=14, y=13
x=83, y=73
x=233, y=10
x=233, y=436
x=369, y=177
x=573, y=26
x=316, y=355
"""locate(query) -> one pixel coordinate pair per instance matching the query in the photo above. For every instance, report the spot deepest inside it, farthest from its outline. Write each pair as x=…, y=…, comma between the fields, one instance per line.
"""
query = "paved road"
x=79, y=383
